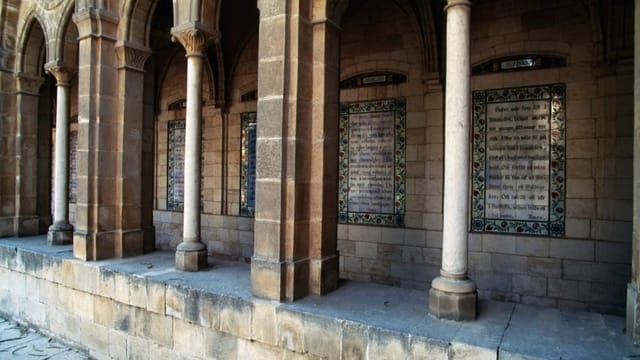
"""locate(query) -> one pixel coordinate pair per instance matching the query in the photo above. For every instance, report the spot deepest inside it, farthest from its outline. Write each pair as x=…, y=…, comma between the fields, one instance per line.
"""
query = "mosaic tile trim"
x=554, y=96
x=348, y=111
x=175, y=165
x=248, y=164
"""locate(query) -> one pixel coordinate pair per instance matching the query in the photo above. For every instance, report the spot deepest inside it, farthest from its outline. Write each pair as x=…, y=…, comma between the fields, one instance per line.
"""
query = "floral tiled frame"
x=555, y=226
x=398, y=107
x=173, y=126
x=247, y=179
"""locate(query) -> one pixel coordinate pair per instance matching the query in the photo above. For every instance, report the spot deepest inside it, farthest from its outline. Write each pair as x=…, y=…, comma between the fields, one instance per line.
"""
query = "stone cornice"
x=62, y=73
x=132, y=56
x=194, y=38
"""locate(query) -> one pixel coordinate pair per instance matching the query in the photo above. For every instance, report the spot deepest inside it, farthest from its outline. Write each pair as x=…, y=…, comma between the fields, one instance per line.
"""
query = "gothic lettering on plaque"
x=372, y=162
x=248, y=164
x=175, y=160
x=519, y=160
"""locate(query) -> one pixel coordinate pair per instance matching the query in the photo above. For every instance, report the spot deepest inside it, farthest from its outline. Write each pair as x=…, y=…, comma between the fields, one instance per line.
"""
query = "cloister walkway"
x=390, y=319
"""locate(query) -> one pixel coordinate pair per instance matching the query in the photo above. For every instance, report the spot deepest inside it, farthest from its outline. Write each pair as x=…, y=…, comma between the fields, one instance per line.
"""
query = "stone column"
x=280, y=264
x=633, y=289
x=61, y=232
x=453, y=295
x=134, y=228
x=323, y=221
x=191, y=254
x=97, y=205
x=26, y=220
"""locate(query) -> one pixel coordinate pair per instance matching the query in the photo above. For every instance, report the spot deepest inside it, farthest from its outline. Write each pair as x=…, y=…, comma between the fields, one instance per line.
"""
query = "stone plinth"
x=60, y=234
x=191, y=256
x=452, y=306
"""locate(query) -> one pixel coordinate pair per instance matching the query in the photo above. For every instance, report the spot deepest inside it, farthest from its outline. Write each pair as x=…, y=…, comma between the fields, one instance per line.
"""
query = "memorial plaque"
x=519, y=160
x=175, y=161
x=73, y=168
x=372, y=162
x=248, y=165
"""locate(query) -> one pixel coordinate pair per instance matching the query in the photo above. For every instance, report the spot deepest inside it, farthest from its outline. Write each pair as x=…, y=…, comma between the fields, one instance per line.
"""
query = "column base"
x=323, y=275
x=191, y=256
x=633, y=313
x=279, y=280
x=60, y=234
x=453, y=299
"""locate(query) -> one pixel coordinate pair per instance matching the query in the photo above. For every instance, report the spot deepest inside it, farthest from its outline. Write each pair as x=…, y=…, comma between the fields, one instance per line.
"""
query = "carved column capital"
x=452, y=3
x=132, y=56
x=62, y=73
x=28, y=84
x=194, y=38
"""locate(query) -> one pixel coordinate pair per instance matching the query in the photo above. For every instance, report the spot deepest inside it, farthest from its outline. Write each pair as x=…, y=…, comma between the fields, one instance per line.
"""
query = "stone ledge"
x=142, y=306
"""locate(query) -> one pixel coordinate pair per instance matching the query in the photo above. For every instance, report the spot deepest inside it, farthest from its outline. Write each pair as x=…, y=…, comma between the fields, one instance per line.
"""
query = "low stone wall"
x=225, y=235
x=575, y=274
x=143, y=308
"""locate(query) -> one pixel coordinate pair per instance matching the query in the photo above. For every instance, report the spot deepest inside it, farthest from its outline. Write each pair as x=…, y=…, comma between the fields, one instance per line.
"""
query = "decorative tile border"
x=552, y=96
x=175, y=165
x=367, y=113
x=248, y=164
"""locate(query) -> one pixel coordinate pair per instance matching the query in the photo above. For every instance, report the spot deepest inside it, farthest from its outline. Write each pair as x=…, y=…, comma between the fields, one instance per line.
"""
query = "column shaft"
x=191, y=232
x=453, y=295
x=61, y=158
x=191, y=254
x=61, y=232
x=456, y=144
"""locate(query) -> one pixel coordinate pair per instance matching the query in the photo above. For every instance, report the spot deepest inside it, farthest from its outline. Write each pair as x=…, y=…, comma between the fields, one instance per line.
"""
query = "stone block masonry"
x=143, y=308
x=577, y=274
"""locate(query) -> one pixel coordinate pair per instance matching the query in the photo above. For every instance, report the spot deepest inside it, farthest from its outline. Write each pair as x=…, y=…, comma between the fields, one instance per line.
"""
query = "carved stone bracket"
x=194, y=38
x=27, y=84
x=132, y=56
x=62, y=73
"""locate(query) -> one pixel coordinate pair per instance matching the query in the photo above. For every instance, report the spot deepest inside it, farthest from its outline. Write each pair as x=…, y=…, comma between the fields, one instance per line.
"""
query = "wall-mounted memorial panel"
x=519, y=160
x=248, y=165
x=175, y=165
x=372, y=173
x=73, y=166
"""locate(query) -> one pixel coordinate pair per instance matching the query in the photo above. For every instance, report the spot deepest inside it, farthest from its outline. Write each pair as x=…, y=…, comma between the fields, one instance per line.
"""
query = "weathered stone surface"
x=452, y=306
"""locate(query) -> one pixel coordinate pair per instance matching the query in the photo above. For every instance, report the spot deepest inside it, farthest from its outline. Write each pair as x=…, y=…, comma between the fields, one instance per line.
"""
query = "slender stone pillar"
x=633, y=289
x=453, y=295
x=191, y=254
x=61, y=232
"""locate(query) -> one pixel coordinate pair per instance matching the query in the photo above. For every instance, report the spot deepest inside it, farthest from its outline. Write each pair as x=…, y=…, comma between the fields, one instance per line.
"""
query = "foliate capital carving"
x=194, y=38
x=62, y=73
x=132, y=56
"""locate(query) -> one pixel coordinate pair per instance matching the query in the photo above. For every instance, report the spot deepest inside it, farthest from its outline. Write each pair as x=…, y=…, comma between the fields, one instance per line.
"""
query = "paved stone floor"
x=19, y=342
